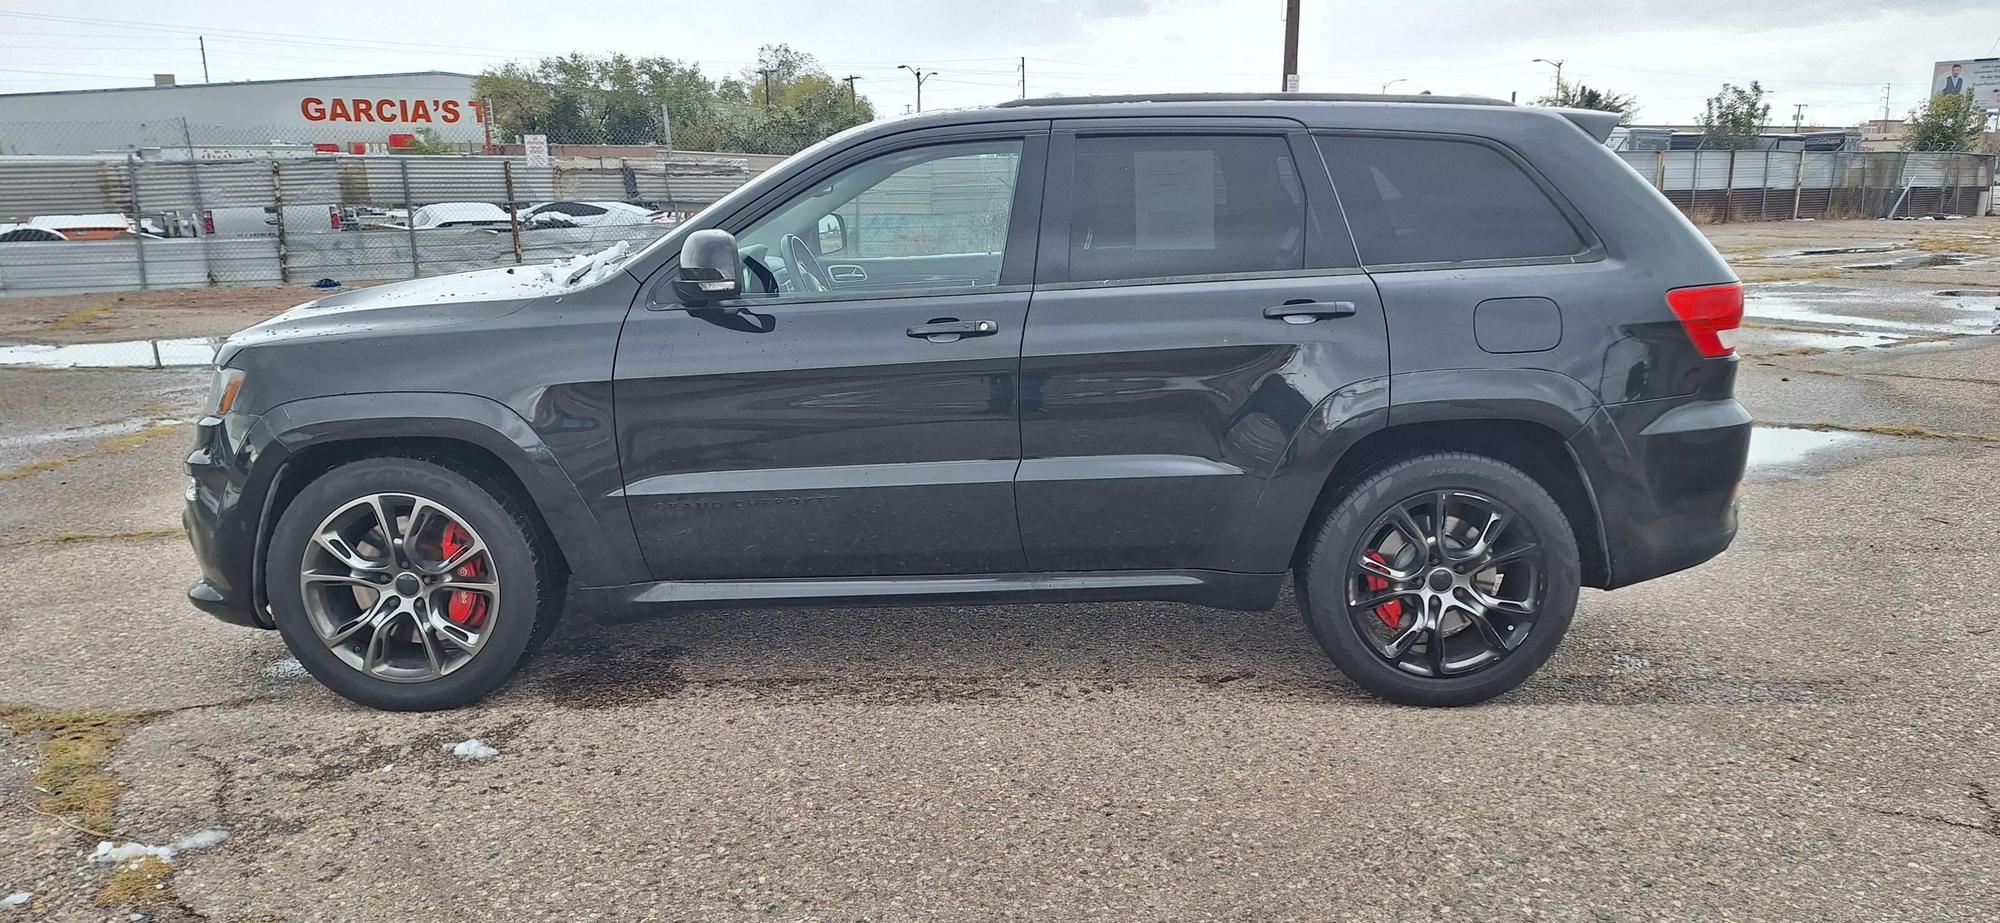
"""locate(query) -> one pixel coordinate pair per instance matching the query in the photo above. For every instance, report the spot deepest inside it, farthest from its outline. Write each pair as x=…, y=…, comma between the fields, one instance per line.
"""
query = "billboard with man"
x=1978, y=78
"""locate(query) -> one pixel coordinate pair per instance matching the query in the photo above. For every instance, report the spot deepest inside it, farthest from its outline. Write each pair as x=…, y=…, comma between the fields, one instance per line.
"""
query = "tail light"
x=333, y=217
x=1710, y=314
x=207, y=223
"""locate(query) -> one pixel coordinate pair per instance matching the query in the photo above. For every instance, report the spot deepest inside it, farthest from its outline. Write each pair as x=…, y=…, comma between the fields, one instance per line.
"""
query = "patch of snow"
x=16, y=899
x=109, y=853
x=286, y=668
x=206, y=839
x=471, y=750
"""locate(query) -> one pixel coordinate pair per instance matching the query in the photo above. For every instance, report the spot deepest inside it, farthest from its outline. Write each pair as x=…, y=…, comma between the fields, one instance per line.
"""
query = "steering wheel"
x=803, y=265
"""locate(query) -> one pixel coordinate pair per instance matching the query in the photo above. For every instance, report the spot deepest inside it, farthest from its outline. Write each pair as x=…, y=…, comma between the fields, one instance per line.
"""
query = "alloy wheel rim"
x=399, y=587
x=1447, y=583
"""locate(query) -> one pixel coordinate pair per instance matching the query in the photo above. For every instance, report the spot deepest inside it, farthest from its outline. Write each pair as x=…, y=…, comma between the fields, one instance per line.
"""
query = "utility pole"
x=767, y=86
x=1558, y=65
x=921, y=75
x=1024, y=76
x=1798, y=117
x=850, y=78
x=202, y=40
x=1291, y=75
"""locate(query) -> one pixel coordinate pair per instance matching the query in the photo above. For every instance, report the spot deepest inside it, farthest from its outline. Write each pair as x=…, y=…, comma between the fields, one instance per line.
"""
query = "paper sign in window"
x=1174, y=200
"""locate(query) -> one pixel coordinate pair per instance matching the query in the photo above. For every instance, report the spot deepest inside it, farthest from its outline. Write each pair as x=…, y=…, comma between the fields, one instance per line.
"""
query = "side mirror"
x=832, y=234
x=708, y=270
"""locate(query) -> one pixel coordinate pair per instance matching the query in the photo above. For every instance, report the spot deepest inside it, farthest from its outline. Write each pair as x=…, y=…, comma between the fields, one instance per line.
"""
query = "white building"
x=219, y=120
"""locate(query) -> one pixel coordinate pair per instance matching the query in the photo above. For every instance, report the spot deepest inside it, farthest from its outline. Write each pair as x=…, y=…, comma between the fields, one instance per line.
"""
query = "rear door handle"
x=951, y=329
x=1305, y=310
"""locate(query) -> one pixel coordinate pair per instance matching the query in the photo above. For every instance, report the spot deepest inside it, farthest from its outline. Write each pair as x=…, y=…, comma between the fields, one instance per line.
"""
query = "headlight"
x=222, y=390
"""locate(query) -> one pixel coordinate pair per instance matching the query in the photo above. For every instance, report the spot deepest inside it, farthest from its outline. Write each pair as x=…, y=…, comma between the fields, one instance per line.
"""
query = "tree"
x=1735, y=117
x=615, y=99
x=427, y=142
x=1579, y=96
x=1948, y=122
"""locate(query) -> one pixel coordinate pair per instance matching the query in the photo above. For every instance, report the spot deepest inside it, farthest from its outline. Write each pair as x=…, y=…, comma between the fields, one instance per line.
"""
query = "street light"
x=1386, y=86
x=1558, y=65
x=921, y=75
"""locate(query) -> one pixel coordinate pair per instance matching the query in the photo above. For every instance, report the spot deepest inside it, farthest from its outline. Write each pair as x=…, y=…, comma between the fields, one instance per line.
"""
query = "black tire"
x=531, y=585
x=1324, y=574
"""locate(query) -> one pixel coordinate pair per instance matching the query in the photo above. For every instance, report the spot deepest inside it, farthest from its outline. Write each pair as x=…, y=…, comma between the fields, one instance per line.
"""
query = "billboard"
x=1975, y=77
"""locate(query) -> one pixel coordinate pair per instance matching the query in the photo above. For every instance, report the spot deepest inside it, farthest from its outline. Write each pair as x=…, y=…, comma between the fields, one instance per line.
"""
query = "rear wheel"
x=1444, y=579
x=405, y=585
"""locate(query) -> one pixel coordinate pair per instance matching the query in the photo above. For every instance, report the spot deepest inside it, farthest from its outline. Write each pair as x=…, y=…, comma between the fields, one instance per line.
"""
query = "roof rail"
x=1257, y=97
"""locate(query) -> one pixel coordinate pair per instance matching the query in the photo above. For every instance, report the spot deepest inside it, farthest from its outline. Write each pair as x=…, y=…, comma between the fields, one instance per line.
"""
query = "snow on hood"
x=513, y=282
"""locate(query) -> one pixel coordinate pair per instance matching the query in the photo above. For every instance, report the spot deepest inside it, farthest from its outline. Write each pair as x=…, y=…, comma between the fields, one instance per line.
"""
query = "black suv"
x=1439, y=361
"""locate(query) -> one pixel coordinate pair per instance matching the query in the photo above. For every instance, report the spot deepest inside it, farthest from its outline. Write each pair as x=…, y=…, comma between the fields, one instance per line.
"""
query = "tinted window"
x=1413, y=200
x=1145, y=207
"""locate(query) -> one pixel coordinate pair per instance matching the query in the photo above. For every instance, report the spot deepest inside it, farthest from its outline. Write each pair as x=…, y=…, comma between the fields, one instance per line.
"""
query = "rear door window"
x=1152, y=206
x=1423, y=200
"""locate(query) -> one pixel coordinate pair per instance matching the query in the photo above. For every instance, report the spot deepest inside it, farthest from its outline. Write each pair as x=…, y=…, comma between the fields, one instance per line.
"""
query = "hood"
x=435, y=301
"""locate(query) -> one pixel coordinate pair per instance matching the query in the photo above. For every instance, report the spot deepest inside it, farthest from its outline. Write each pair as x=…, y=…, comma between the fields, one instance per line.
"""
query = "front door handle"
x=951, y=329
x=1306, y=310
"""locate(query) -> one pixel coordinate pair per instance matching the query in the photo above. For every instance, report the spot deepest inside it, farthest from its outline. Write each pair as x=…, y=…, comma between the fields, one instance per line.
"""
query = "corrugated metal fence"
x=1715, y=186
x=298, y=220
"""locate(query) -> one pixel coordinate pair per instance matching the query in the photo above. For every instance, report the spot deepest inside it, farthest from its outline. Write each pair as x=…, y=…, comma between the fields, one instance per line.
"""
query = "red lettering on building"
x=388, y=110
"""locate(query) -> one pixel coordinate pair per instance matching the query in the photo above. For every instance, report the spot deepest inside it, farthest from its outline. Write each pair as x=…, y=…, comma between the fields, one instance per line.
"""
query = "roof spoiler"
x=1594, y=123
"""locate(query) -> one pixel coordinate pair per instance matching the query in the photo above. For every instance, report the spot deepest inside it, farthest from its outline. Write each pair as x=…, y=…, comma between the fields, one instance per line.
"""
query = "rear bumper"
x=223, y=511
x=1665, y=475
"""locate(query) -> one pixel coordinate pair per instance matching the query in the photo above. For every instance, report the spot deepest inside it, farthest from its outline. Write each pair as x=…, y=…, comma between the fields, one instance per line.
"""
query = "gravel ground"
x=1802, y=729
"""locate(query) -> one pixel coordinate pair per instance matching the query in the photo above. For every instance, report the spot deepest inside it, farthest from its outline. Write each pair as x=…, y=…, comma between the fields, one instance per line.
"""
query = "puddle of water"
x=142, y=354
x=1834, y=251
x=1917, y=261
x=1830, y=341
x=1811, y=306
x=1774, y=447
x=118, y=428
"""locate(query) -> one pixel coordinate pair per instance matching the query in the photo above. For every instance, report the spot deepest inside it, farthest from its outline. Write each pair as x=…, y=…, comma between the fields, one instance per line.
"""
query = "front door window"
x=916, y=220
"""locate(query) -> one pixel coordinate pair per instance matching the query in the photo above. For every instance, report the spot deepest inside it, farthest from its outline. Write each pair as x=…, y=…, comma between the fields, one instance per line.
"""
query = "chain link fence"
x=1713, y=186
x=227, y=209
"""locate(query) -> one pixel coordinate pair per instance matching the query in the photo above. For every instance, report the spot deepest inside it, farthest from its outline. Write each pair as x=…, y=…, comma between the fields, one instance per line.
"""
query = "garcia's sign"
x=390, y=110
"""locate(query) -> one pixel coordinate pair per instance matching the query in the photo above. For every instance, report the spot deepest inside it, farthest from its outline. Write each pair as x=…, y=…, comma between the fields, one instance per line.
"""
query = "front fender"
x=599, y=554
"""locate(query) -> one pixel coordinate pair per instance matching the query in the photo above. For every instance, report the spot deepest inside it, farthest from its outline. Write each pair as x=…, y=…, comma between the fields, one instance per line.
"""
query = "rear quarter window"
x=1423, y=200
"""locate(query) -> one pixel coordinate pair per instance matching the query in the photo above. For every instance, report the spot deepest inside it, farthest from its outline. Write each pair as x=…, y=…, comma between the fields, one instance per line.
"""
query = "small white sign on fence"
x=538, y=149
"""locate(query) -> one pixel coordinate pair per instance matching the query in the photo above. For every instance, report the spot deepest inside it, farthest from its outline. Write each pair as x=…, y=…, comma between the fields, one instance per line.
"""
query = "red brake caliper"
x=466, y=607
x=1391, y=612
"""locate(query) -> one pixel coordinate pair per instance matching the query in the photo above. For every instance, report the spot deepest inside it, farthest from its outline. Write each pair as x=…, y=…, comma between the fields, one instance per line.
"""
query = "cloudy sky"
x=1832, y=55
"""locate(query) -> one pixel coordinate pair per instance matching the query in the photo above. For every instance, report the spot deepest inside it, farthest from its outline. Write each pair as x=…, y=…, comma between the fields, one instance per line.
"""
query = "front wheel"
x=405, y=585
x=1445, y=579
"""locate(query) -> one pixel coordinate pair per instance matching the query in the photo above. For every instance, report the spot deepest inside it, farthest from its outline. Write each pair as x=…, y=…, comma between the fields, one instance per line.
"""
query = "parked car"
x=1494, y=368
x=262, y=221
x=460, y=215
x=585, y=214
x=84, y=227
x=26, y=234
